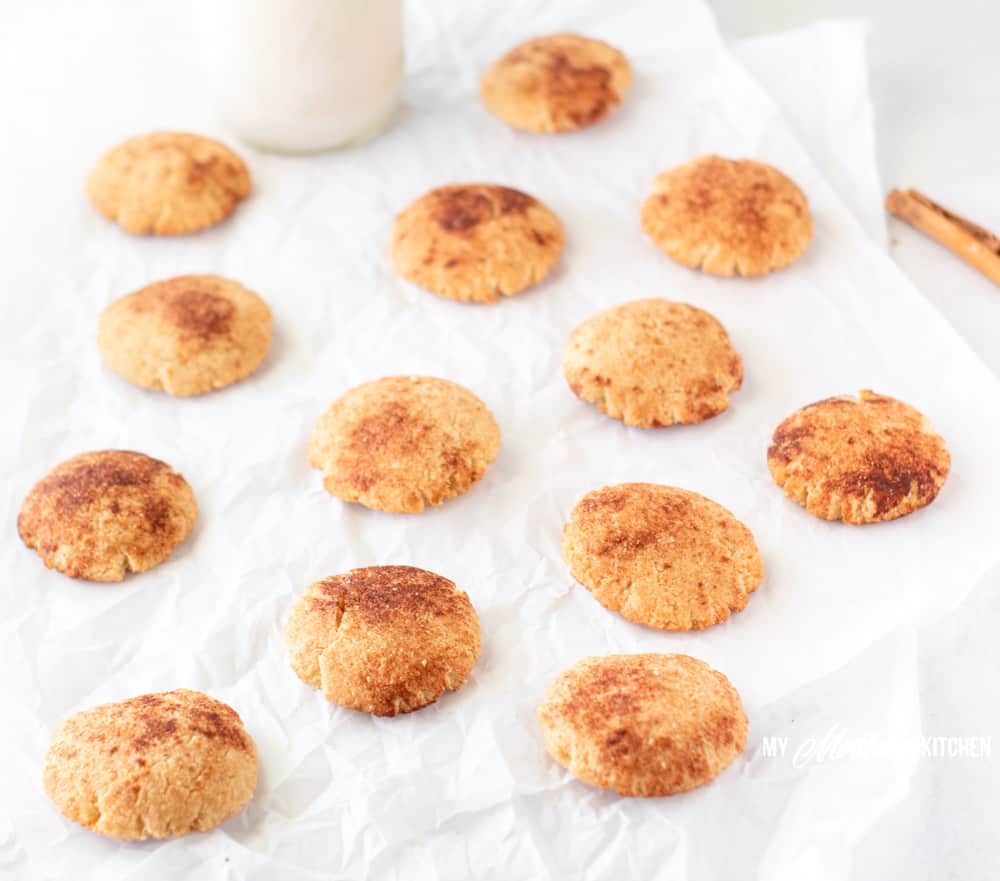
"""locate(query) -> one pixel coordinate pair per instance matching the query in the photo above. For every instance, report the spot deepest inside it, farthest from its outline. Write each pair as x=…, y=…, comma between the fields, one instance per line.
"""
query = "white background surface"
x=887, y=686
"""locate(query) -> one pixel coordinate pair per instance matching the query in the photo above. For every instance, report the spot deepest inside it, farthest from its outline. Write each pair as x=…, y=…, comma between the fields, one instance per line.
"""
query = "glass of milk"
x=303, y=76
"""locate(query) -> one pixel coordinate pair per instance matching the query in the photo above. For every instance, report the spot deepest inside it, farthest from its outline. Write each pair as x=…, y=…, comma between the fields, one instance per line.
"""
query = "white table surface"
x=936, y=93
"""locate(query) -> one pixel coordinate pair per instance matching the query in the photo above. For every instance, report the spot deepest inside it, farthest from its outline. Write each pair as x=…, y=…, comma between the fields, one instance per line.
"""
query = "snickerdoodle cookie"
x=643, y=725
x=728, y=217
x=186, y=335
x=661, y=556
x=652, y=363
x=152, y=766
x=168, y=183
x=101, y=515
x=860, y=460
x=476, y=242
x=404, y=442
x=384, y=639
x=558, y=83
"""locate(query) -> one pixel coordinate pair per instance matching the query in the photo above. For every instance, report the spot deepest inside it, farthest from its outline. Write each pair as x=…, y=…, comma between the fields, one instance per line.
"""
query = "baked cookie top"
x=383, y=639
x=643, y=725
x=652, y=363
x=404, y=442
x=860, y=460
x=101, y=515
x=168, y=183
x=661, y=556
x=557, y=83
x=476, y=242
x=186, y=335
x=728, y=216
x=152, y=766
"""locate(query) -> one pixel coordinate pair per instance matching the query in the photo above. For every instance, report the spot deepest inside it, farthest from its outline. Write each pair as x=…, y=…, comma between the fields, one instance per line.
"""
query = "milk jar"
x=301, y=76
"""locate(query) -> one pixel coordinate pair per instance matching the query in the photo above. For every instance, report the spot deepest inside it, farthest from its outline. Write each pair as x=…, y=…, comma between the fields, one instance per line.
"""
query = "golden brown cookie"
x=168, y=183
x=858, y=460
x=661, y=556
x=404, y=442
x=152, y=766
x=186, y=335
x=558, y=83
x=728, y=217
x=101, y=515
x=652, y=363
x=644, y=725
x=476, y=242
x=385, y=639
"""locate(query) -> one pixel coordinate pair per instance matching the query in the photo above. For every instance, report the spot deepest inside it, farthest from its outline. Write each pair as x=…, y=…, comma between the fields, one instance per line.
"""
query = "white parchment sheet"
x=464, y=788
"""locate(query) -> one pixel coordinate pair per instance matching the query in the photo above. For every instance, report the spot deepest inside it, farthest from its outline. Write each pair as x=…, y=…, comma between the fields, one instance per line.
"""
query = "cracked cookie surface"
x=101, y=515
x=728, y=216
x=661, y=556
x=860, y=460
x=153, y=766
x=476, y=242
x=384, y=639
x=402, y=443
x=652, y=363
x=643, y=725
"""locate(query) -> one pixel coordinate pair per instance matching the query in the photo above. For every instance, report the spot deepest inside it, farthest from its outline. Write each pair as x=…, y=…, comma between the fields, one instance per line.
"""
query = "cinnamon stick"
x=974, y=244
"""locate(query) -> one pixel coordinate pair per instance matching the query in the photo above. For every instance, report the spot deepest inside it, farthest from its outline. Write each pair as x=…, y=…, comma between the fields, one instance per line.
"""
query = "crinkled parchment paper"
x=464, y=789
